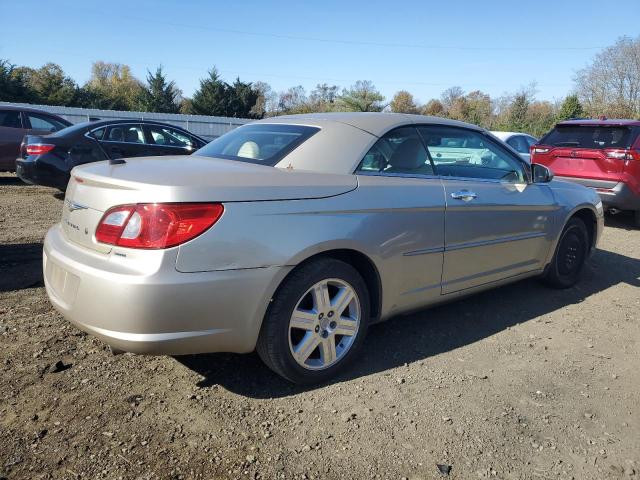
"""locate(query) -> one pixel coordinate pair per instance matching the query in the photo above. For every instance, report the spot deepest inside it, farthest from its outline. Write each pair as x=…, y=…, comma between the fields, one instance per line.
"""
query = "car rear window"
x=262, y=143
x=589, y=136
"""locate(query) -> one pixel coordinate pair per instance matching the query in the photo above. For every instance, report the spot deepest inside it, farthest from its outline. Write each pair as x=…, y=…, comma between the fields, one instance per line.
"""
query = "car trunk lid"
x=96, y=187
x=585, y=163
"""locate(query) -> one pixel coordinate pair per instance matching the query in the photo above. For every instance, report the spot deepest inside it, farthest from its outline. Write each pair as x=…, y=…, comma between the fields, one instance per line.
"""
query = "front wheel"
x=316, y=322
x=570, y=255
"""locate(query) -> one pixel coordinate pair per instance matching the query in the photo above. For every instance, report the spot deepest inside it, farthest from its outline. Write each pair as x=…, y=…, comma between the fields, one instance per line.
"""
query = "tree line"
x=609, y=85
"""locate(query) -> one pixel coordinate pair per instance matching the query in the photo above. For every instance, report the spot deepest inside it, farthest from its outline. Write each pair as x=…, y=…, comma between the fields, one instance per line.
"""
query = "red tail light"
x=39, y=148
x=156, y=225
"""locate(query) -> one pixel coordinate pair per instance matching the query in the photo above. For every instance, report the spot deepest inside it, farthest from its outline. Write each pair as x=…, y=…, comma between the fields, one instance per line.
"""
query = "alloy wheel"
x=324, y=324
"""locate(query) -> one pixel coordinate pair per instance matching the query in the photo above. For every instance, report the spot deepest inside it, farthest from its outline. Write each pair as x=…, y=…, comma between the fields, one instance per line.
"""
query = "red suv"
x=601, y=154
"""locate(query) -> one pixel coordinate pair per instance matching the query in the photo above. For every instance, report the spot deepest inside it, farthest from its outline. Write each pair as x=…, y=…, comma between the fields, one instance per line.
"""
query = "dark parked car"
x=15, y=123
x=48, y=160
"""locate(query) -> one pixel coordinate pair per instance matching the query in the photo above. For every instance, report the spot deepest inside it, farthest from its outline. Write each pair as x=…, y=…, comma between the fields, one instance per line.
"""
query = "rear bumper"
x=613, y=194
x=32, y=172
x=160, y=311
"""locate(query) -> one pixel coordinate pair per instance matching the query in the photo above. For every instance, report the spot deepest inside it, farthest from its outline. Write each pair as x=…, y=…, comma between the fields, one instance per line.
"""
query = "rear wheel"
x=316, y=322
x=570, y=255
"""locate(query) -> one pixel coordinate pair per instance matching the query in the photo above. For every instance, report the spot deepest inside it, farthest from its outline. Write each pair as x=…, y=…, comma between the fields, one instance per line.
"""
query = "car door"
x=165, y=140
x=497, y=223
x=11, y=133
x=397, y=182
x=123, y=140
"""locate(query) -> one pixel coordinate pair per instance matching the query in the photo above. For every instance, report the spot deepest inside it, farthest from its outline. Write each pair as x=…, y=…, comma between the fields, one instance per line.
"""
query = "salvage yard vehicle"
x=47, y=160
x=18, y=121
x=292, y=235
x=602, y=154
x=520, y=142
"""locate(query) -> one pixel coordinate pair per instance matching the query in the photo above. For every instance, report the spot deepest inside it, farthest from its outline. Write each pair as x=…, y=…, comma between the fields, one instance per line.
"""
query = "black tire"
x=570, y=255
x=273, y=343
x=636, y=218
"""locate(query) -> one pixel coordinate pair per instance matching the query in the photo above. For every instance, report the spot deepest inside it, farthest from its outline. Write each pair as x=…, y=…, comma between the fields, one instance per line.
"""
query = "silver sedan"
x=292, y=235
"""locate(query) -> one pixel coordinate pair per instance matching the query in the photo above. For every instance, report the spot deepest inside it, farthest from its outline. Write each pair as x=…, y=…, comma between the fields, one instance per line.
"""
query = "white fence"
x=202, y=125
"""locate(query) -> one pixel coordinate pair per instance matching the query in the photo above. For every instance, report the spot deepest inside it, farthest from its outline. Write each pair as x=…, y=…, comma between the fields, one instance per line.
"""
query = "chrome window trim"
x=438, y=177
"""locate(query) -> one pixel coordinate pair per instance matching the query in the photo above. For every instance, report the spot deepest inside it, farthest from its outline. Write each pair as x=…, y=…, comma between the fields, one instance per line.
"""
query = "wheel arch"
x=363, y=264
x=586, y=213
x=588, y=216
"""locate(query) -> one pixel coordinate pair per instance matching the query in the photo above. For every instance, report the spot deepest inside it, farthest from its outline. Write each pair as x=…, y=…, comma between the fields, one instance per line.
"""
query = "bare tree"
x=450, y=95
x=267, y=103
x=611, y=84
x=293, y=100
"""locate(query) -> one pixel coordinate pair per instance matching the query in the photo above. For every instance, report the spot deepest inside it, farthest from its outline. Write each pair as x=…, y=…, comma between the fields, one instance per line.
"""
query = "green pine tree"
x=570, y=108
x=361, y=97
x=159, y=95
x=518, y=113
x=211, y=97
x=12, y=87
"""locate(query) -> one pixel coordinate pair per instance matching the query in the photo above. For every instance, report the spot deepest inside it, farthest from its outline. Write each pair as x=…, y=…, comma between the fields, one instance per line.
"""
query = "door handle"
x=465, y=195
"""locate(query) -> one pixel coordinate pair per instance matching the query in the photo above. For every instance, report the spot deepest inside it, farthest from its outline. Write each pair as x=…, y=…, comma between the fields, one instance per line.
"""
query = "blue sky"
x=421, y=46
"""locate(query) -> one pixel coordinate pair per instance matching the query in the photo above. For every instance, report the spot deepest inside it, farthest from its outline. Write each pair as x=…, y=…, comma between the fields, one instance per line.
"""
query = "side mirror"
x=541, y=173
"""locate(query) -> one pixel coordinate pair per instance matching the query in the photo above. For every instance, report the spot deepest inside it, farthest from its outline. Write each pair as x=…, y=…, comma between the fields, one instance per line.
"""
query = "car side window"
x=124, y=134
x=44, y=122
x=466, y=153
x=10, y=119
x=169, y=137
x=98, y=134
x=531, y=141
x=399, y=151
x=518, y=143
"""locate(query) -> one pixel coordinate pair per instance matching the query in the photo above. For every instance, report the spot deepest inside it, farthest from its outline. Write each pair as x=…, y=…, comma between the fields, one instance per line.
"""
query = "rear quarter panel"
x=384, y=218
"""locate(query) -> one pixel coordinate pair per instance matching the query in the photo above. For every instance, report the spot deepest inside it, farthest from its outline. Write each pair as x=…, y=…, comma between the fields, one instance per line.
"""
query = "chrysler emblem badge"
x=73, y=206
x=573, y=153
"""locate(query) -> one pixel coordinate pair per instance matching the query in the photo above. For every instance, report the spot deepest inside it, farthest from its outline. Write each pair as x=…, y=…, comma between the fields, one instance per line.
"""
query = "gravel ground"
x=523, y=382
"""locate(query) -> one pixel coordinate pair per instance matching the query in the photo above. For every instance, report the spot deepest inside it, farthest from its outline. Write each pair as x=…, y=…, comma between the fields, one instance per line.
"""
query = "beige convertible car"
x=292, y=235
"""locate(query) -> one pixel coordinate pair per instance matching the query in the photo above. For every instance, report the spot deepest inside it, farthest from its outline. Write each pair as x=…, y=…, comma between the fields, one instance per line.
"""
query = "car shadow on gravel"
x=622, y=220
x=423, y=334
x=20, y=266
x=6, y=180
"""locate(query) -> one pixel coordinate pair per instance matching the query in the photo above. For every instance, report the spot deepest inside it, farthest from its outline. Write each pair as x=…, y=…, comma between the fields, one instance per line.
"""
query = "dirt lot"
x=523, y=382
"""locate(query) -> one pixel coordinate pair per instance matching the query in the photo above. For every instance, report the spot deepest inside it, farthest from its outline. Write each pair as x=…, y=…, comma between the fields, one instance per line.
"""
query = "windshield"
x=261, y=143
x=588, y=136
